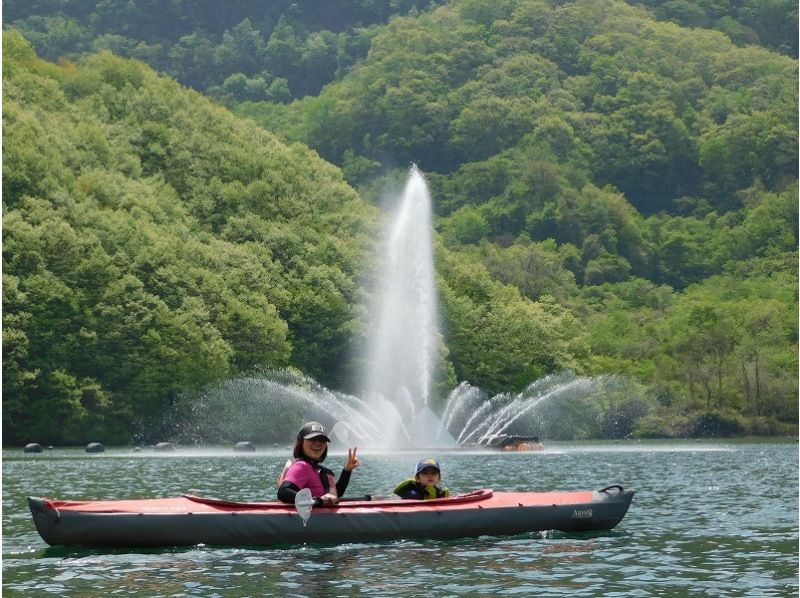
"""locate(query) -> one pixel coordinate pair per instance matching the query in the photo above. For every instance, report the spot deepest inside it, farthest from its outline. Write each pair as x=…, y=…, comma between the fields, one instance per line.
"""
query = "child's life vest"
x=413, y=489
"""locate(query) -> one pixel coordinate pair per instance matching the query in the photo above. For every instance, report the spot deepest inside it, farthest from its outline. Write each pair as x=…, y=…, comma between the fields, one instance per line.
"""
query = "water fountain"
x=399, y=363
x=399, y=359
x=394, y=409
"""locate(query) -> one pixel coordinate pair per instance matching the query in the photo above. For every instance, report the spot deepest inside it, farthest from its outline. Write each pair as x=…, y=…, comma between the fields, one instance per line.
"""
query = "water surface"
x=708, y=519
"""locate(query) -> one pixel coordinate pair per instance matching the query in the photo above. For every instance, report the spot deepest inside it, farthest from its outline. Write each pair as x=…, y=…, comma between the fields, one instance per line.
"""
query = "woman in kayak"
x=310, y=450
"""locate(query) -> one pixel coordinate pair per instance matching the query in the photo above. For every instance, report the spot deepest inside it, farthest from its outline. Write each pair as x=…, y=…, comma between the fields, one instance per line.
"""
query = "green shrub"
x=717, y=424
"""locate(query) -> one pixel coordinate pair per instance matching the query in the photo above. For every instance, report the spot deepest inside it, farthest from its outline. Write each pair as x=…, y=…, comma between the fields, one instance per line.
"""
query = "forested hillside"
x=231, y=51
x=285, y=49
x=640, y=173
x=769, y=23
x=153, y=243
x=615, y=193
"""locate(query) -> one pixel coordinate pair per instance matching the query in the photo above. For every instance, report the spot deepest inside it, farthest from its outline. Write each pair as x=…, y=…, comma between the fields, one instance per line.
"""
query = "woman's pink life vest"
x=320, y=470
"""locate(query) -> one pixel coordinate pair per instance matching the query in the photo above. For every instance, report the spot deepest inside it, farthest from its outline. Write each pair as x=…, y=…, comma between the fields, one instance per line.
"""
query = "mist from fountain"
x=270, y=406
x=476, y=419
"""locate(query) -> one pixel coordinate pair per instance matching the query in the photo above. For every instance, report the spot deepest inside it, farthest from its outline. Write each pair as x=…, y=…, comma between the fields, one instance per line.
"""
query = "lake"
x=709, y=519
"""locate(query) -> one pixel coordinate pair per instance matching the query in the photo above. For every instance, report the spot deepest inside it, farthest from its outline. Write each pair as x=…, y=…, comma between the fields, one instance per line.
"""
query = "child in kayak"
x=310, y=449
x=425, y=483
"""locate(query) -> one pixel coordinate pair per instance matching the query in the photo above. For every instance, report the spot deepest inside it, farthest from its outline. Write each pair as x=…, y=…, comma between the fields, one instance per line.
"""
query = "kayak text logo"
x=581, y=513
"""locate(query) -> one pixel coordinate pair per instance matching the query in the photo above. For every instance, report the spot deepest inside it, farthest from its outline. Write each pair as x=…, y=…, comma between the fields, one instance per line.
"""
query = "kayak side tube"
x=603, y=511
x=190, y=523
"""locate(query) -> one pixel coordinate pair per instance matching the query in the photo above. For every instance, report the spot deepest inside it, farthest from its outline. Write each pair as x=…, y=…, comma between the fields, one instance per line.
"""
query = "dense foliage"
x=584, y=92
x=284, y=49
x=235, y=51
x=153, y=243
x=768, y=23
x=615, y=194
x=638, y=173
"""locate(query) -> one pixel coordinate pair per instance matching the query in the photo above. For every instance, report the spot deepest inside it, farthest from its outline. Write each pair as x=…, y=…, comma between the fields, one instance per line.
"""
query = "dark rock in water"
x=245, y=446
x=33, y=447
x=95, y=447
x=164, y=446
x=136, y=449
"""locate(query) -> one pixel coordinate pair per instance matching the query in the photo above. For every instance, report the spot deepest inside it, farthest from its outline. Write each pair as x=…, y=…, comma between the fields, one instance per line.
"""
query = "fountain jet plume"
x=401, y=354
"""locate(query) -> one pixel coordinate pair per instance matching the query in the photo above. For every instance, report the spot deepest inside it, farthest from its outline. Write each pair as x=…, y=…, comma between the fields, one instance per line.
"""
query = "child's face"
x=429, y=476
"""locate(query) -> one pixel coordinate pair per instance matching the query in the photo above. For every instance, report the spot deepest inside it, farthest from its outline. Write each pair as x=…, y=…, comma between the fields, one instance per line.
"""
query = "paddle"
x=365, y=498
x=303, y=502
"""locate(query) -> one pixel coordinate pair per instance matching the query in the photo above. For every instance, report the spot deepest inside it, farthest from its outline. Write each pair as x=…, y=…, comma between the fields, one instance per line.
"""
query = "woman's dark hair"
x=299, y=454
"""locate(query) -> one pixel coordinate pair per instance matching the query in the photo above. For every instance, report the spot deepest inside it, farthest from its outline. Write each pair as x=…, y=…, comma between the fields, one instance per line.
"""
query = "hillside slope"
x=152, y=243
x=640, y=173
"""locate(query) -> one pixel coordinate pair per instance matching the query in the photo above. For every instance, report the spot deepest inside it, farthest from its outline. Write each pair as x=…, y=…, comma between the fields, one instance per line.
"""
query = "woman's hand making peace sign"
x=352, y=459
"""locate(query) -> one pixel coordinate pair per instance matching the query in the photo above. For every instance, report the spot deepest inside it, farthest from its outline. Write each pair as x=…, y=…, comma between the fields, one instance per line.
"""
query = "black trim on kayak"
x=616, y=487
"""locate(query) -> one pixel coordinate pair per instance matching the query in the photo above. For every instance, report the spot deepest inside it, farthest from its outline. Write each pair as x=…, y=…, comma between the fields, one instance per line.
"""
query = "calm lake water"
x=709, y=519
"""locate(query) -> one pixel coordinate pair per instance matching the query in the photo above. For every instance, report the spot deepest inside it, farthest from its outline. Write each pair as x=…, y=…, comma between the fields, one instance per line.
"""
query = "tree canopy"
x=154, y=243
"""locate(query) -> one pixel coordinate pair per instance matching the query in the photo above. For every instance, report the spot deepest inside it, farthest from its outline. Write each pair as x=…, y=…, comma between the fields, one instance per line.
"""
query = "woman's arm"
x=287, y=492
x=344, y=479
x=342, y=482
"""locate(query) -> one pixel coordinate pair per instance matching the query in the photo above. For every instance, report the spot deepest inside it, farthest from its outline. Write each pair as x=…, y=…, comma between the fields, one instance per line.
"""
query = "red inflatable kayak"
x=189, y=520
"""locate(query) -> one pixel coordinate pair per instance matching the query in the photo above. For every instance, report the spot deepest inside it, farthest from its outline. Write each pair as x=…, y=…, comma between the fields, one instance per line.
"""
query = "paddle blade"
x=303, y=502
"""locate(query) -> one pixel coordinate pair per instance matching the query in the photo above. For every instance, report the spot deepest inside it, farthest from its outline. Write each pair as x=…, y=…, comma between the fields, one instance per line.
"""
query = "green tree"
x=242, y=50
x=467, y=225
x=500, y=340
